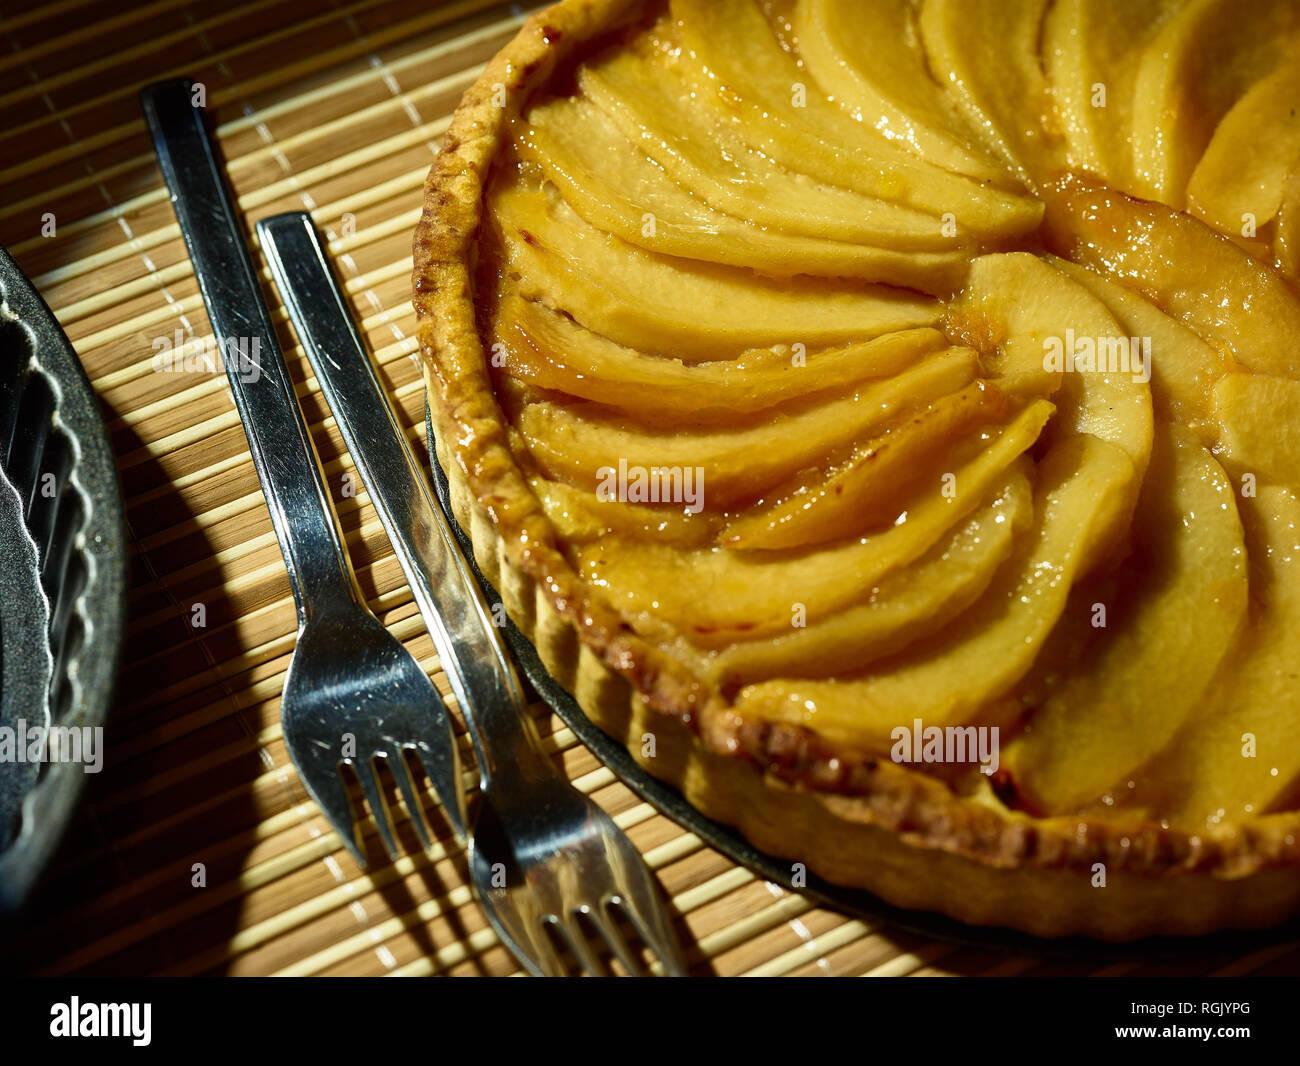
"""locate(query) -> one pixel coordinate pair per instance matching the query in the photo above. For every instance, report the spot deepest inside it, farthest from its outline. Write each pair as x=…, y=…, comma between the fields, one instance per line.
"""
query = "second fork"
x=545, y=859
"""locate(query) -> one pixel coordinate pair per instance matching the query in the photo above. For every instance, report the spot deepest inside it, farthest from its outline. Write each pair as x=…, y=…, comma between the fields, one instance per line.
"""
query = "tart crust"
x=855, y=821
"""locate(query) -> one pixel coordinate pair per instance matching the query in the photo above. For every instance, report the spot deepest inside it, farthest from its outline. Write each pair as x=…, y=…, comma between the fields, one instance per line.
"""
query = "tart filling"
x=838, y=395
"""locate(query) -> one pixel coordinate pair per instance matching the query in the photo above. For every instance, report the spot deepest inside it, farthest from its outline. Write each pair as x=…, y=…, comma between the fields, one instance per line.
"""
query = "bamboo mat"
x=337, y=109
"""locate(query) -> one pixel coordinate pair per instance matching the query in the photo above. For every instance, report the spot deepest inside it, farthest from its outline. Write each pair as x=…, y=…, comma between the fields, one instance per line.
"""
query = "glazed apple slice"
x=1009, y=335
x=579, y=516
x=1242, y=307
x=716, y=597
x=1190, y=74
x=888, y=89
x=985, y=52
x=655, y=111
x=1240, y=177
x=960, y=675
x=1286, y=231
x=1184, y=602
x=574, y=442
x=551, y=351
x=1237, y=757
x=1183, y=367
x=1260, y=420
x=1027, y=310
x=1020, y=311
x=675, y=307
x=748, y=84
x=614, y=185
x=906, y=606
x=879, y=480
x=1087, y=51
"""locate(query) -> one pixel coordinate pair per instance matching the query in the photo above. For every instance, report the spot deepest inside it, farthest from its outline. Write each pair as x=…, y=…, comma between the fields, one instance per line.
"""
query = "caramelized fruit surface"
x=931, y=360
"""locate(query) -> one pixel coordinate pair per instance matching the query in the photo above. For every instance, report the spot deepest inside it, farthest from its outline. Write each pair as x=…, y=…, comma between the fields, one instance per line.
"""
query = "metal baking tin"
x=62, y=573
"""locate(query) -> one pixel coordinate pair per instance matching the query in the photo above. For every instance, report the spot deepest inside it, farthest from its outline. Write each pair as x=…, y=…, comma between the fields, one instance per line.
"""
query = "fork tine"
x=601, y=920
x=324, y=783
x=569, y=930
x=660, y=941
x=406, y=786
x=369, y=778
x=544, y=949
x=445, y=776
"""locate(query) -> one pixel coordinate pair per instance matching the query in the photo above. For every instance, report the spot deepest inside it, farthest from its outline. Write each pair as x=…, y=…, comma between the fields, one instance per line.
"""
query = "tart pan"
x=853, y=902
x=62, y=572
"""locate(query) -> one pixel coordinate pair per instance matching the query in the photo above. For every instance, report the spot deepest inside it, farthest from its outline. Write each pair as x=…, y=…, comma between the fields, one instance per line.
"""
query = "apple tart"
x=885, y=418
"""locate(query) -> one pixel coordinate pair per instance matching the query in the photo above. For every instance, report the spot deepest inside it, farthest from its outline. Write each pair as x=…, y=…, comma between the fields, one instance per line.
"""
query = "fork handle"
x=281, y=446
x=478, y=665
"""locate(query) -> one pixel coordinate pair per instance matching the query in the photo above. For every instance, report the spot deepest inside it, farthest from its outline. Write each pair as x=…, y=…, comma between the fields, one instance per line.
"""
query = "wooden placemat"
x=196, y=850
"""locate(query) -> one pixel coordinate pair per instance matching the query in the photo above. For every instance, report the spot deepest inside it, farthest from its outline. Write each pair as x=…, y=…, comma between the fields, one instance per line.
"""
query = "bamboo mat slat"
x=336, y=109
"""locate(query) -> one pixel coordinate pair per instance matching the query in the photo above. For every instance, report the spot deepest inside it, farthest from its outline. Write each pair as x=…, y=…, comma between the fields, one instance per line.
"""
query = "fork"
x=543, y=856
x=352, y=693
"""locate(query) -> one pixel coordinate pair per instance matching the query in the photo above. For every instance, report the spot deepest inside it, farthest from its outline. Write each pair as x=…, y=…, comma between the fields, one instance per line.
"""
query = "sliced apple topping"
x=1042, y=323
x=752, y=88
x=1242, y=307
x=888, y=89
x=873, y=487
x=1190, y=74
x=614, y=185
x=547, y=349
x=1047, y=332
x=658, y=113
x=574, y=442
x=716, y=596
x=1183, y=601
x=986, y=53
x=1238, y=184
x=1183, y=367
x=581, y=516
x=959, y=675
x=1260, y=425
x=907, y=605
x=857, y=430
x=687, y=310
x=1236, y=756
x=1286, y=231
x=1087, y=51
